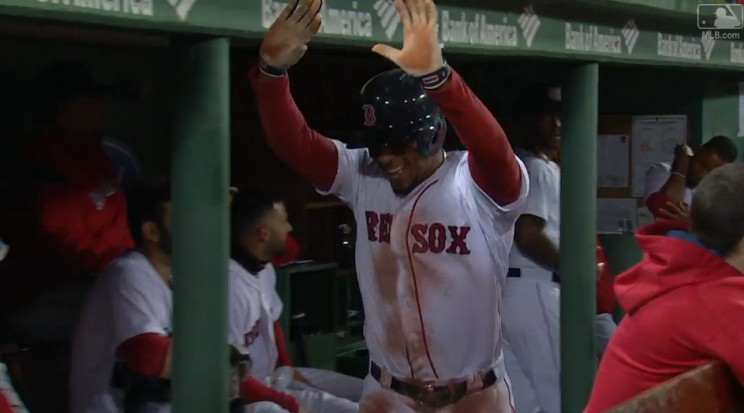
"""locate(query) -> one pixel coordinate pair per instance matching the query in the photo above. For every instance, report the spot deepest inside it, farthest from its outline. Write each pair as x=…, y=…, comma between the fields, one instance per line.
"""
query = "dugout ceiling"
x=604, y=31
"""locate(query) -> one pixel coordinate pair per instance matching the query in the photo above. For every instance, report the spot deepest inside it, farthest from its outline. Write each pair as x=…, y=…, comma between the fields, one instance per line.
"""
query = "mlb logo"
x=721, y=16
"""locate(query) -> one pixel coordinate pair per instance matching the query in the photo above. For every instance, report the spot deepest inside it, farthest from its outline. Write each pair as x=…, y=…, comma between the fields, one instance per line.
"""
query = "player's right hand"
x=421, y=53
x=286, y=41
x=682, y=158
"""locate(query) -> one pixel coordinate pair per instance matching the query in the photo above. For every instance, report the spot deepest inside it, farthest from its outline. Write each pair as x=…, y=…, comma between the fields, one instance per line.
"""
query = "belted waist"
x=517, y=273
x=433, y=396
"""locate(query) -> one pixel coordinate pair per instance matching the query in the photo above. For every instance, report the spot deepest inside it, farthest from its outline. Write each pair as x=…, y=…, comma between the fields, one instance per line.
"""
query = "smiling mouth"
x=395, y=172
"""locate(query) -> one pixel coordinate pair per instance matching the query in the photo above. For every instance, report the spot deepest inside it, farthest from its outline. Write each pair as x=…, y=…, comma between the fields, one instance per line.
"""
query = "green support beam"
x=200, y=220
x=578, y=228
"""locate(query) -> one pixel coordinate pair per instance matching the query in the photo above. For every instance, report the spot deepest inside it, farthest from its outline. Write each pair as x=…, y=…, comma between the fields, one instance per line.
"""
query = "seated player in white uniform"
x=121, y=355
x=259, y=234
x=531, y=298
x=434, y=229
x=669, y=187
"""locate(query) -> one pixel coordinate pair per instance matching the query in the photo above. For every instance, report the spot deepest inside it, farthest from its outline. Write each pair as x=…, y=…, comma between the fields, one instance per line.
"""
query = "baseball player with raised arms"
x=259, y=234
x=435, y=228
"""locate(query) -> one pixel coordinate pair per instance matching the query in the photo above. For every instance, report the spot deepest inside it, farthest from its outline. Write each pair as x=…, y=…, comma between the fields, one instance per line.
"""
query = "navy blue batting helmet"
x=395, y=109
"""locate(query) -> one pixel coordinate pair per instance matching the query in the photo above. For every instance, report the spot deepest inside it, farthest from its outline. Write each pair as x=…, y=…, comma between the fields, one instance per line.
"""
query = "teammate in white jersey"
x=669, y=187
x=259, y=233
x=126, y=320
x=123, y=339
x=434, y=229
x=532, y=295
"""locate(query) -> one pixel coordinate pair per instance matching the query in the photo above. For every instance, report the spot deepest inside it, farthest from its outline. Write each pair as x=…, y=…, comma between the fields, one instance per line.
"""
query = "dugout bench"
x=707, y=389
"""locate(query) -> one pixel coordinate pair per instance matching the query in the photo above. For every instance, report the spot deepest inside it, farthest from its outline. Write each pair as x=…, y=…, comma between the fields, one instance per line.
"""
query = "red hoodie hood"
x=668, y=263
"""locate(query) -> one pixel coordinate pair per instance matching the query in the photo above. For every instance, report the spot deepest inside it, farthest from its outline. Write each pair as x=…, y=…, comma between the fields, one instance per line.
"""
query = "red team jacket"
x=685, y=307
x=71, y=221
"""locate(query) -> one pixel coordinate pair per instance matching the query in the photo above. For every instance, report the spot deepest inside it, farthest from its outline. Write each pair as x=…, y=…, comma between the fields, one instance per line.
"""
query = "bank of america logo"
x=388, y=17
x=183, y=7
x=630, y=35
x=529, y=22
x=708, y=45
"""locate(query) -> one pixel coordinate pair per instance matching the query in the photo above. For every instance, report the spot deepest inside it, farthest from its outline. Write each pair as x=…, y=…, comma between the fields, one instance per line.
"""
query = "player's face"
x=278, y=227
x=703, y=162
x=548, y=126
x=83, y=115
x=158, y=235
x=401, y=164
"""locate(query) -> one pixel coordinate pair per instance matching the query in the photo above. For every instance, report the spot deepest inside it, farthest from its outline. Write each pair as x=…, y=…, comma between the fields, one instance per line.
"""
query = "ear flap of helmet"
x=436, y=141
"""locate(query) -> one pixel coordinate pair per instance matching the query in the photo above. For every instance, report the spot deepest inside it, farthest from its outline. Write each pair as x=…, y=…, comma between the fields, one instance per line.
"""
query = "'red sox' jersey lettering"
x=436, y=238
x=378, y=226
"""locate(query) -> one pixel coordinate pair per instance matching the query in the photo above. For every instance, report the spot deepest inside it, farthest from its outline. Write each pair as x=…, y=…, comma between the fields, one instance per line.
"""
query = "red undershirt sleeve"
x=310, y=154
x=492, y=163
x=5, y=406
x=253, y=391
x=146, y=353
x=657, y=201
x=281, y=348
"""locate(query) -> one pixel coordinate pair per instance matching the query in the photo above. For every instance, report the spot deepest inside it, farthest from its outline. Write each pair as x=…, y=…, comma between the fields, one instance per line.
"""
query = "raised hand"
x=421, y=53
x=682, y=158
x=286, y=41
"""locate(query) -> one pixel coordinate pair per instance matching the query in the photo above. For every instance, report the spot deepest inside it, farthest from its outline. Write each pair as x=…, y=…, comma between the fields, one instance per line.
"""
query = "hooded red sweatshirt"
x=684, y=308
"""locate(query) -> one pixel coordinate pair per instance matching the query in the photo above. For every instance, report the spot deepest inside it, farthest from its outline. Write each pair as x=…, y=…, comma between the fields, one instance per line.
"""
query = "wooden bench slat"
x=707, y=389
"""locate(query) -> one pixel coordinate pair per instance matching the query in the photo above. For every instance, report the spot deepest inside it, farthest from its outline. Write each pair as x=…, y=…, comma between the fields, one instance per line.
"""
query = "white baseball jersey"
x=431, y=266
x=254, y=306
x=543, y=201
x=128, y=299
x=656, y=176
x=531, y=322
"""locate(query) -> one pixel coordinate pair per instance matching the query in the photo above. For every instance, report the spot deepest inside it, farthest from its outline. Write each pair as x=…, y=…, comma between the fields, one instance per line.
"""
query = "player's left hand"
x=677, y=212
x=421, y=53
x=301, y=378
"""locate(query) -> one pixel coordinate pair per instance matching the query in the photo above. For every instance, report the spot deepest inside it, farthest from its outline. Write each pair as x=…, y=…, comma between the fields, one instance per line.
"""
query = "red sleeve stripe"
x=253, y=391
x=146, y=353
x=281, y=348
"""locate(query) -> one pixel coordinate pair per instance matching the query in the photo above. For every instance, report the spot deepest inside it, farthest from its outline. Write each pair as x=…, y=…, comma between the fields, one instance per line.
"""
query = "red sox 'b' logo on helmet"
x=369, y=115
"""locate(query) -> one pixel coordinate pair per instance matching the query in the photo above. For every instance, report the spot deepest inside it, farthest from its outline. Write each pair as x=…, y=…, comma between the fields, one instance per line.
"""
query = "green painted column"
x=201, y=147
x=578, y=227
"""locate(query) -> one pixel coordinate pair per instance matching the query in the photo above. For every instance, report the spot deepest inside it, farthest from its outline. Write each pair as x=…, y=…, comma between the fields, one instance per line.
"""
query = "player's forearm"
x=538, y=248
x=311, y=155
x=491, y=159
x=253, y=391
x=673, y=191
x=675, y=187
